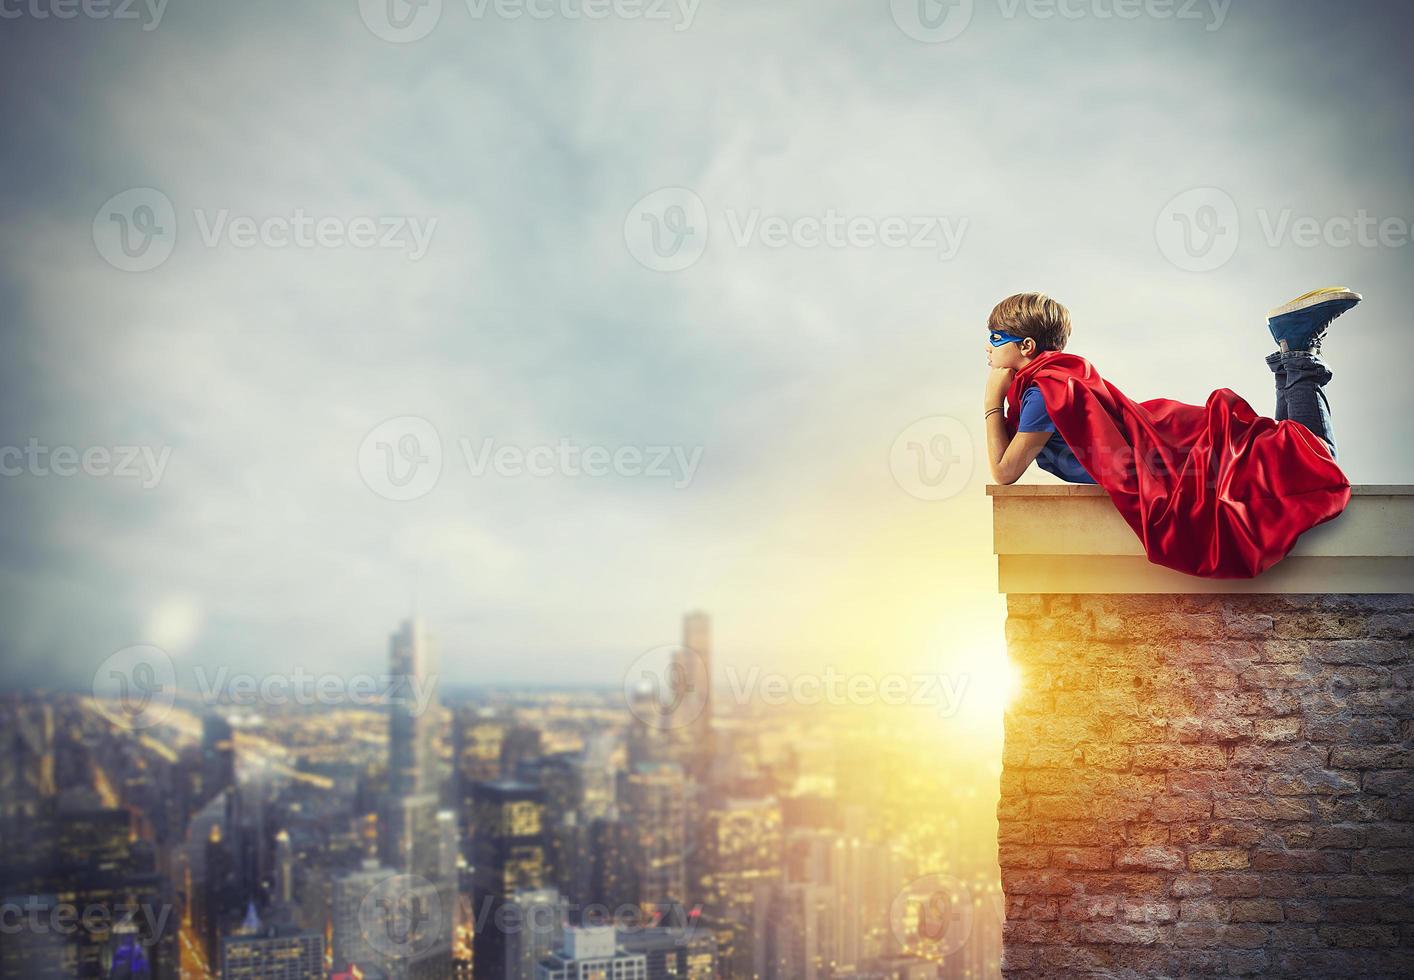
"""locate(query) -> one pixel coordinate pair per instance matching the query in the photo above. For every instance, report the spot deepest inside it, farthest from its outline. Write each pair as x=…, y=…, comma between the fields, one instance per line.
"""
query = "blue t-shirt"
x=1055, y=457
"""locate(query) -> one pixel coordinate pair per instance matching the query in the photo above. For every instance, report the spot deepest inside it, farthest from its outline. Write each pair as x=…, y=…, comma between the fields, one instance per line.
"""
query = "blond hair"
x=1033, y=315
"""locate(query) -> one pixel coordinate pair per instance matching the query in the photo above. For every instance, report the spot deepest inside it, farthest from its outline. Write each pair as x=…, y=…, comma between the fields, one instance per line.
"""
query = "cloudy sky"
x=241, y=238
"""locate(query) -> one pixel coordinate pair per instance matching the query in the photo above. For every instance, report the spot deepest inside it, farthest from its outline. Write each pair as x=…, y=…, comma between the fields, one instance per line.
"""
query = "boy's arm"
x=1008, y=459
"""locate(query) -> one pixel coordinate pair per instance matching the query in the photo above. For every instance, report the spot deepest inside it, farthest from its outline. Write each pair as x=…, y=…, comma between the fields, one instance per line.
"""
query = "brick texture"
x=1209, y=786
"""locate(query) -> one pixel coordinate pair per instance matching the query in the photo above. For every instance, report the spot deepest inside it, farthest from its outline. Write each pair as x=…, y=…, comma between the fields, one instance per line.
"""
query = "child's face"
x=1014, y=356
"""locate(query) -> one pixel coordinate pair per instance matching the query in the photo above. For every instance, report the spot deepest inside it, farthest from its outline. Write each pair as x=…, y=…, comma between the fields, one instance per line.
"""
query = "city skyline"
x=675, y=688
x=461, y=838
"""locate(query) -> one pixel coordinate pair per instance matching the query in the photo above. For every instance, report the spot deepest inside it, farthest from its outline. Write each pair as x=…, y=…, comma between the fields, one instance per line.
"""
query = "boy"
x=1215, y=491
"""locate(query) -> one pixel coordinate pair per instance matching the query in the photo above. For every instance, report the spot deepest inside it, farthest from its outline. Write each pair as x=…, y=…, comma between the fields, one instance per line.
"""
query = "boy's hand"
x=998, y=384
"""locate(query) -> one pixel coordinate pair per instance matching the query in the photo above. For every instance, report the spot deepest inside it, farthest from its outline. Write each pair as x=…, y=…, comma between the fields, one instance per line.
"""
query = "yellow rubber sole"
x=1315, y=298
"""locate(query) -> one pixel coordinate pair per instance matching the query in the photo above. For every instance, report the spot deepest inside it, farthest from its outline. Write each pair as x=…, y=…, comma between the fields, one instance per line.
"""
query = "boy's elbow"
x=1004, y=476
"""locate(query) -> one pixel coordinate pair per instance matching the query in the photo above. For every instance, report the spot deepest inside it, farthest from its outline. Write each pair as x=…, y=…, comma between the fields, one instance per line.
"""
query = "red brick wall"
x=1209, y=785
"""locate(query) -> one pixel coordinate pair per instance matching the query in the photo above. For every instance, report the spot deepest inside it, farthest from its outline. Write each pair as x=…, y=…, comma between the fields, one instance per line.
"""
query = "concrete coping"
x=1069, y=538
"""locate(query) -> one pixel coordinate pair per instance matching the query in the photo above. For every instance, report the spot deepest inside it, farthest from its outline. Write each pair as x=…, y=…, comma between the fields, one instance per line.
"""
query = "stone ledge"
x=1070, y=539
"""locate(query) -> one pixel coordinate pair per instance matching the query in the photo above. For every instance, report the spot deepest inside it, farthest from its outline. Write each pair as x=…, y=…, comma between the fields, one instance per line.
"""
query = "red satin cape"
x=1216, y=491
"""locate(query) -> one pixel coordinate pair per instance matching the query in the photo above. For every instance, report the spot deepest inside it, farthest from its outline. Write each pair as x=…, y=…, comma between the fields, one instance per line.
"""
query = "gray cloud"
x=529, y=320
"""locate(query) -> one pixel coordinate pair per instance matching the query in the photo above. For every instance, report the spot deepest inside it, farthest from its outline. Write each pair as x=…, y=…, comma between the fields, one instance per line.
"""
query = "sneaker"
x=1301, y=324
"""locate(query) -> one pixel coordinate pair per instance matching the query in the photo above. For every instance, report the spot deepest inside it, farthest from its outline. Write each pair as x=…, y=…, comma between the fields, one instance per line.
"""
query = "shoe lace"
x=1312, y=345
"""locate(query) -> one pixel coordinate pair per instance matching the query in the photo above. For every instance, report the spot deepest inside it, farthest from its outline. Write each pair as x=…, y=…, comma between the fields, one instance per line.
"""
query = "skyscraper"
x=826, y=859
x=741, y=854
x=413, y=839
x=73, y=862
x=408, y=838
x=559, y=776
x=219, y=897
x=349, y=930
x=520, y=745
x=612, y=872
x=801, y=938
x=653, y=801
x=271, y=952
x=411, y=706
x=508, y=858
x=284, y=869
x=534, y=929
x=596, y=778
x=592, y=954
x=26, y=758
x=218, y=757
x=674, y=953
x=693, y=675
x=448, y=845
x=741, y=847
x=477, y=737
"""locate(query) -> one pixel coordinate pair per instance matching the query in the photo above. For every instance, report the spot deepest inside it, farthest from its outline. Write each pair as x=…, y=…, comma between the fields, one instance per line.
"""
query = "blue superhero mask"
x=999, y=339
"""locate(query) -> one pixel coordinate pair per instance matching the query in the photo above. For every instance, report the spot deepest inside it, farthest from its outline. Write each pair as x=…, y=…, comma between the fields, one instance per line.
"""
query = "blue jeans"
x=1300, y=379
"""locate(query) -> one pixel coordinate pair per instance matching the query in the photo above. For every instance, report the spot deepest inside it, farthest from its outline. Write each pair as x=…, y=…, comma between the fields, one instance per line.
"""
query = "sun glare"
x=997, y=680
x=985, y=678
